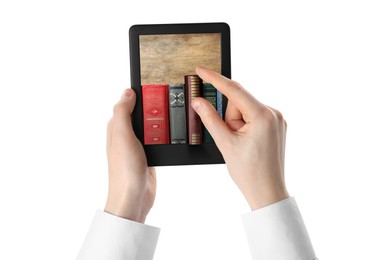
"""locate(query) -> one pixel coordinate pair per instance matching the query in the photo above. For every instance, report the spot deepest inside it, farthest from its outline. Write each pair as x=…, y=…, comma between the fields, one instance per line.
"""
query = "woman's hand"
x=251, y=140
x=132, y=184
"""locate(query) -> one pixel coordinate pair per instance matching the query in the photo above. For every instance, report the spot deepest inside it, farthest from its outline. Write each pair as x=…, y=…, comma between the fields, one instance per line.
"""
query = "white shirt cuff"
x=277, y=232
x=115, y=238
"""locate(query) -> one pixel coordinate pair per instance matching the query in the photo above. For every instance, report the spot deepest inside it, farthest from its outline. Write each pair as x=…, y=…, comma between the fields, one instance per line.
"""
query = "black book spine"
x=177, y=114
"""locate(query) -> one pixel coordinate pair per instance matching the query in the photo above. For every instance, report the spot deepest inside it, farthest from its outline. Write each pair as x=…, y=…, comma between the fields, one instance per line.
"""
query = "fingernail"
x=196, y=105
x=127, y=92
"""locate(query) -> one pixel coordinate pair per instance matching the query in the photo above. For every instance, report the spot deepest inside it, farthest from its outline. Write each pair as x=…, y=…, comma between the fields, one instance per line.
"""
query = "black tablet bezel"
x=180, y=154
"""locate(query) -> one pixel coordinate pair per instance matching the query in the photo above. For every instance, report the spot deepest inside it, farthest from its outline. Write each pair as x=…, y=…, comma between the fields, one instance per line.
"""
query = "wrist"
x=124, y=207
x=267, y=196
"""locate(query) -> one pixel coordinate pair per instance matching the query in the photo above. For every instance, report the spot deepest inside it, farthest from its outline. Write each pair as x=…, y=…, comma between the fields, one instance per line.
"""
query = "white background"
x=324, y=64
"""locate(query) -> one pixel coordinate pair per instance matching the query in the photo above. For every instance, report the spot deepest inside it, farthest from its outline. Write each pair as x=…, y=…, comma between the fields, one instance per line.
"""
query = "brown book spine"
x=193, y=86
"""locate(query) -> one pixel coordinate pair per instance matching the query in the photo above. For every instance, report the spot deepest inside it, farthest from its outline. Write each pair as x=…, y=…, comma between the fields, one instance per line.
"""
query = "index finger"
x=236, y=94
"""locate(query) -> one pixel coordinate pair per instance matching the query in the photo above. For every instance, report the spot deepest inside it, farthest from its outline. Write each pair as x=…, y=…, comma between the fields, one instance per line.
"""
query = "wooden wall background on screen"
x=166, y=58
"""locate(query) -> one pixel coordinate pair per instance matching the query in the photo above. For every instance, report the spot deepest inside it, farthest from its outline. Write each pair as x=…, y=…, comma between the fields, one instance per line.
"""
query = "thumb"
x=123, y=110
x=211, y=120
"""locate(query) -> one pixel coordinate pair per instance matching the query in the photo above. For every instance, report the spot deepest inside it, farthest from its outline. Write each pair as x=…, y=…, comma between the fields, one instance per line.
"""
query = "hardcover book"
x=155, y=112
x=193, y=90
x=210, y=94
x=177, y=114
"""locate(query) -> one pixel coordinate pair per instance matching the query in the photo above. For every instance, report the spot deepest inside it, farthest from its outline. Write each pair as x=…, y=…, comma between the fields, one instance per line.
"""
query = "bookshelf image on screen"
x=169, y=83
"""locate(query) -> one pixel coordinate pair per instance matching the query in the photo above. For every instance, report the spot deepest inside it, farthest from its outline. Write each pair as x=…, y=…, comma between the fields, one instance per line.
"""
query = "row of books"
x=168, y=115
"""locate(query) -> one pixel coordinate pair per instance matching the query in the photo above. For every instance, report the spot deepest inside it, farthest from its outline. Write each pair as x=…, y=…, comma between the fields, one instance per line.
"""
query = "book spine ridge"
x=193, y=88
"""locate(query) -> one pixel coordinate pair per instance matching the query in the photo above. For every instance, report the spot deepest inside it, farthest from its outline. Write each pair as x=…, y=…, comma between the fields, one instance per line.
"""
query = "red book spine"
x=194, y=125
x=156, y=115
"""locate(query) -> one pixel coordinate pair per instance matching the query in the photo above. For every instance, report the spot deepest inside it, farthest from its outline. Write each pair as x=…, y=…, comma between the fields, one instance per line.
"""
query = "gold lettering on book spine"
x=195, y=87
x=195, y=138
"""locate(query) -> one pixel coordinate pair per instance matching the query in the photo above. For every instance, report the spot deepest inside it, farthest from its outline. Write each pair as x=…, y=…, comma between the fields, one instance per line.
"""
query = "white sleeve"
x=114, y=238
x=277, y=232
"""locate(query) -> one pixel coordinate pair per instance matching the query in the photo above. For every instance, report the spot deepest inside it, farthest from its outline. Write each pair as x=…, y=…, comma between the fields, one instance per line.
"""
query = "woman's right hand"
x=252, y=140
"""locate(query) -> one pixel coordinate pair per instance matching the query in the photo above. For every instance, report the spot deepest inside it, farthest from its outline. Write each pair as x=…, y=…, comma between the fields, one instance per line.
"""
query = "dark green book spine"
x=210, y=94
x=177, y=114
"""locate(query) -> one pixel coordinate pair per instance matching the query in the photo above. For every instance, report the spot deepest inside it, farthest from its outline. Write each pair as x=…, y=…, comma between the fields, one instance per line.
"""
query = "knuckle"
x=207, y=119
x=273, y=115
x=271, y=119
x=235, y=85
x=279, y=115
x=119, y=108
x=270, y=116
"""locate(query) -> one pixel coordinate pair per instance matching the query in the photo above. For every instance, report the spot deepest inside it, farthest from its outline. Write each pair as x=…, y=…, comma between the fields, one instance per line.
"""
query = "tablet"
x=163, y=57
